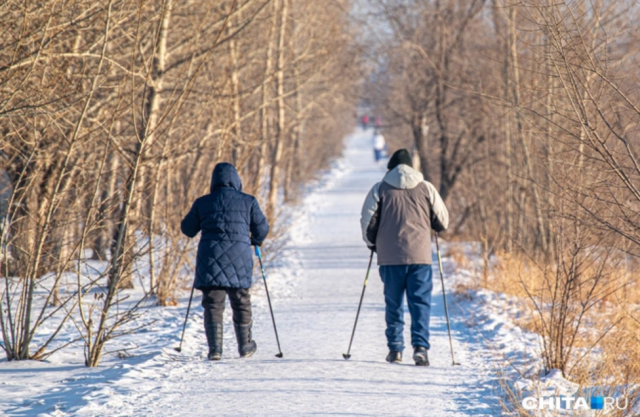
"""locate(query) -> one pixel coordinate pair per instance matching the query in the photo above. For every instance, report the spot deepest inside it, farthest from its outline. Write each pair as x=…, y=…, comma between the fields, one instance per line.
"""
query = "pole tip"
x=178, y=349
x=279, y=355
x=346, y=356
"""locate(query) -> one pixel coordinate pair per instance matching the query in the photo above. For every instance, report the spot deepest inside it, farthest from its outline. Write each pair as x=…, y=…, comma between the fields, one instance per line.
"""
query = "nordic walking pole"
x=186, y=316
x=259, y=255
x=364, y=287
x=444, y=297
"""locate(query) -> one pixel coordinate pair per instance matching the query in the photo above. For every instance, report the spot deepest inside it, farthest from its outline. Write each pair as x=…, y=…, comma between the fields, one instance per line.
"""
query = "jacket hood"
x=403, y=177
x=225, y=175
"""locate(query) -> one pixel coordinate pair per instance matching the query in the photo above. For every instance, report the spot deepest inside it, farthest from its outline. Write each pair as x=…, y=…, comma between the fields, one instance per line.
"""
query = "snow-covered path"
x=314, y=320
x=315, y=288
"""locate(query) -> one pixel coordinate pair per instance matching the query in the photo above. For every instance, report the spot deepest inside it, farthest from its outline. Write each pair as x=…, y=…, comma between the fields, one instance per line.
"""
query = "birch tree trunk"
x=542, y=235
x=274, y=185
x=151, y=111
x=264, y=107
x=236, y=129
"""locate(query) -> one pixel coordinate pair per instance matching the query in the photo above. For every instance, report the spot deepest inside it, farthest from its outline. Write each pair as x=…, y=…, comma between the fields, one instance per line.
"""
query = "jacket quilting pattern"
x=230, y=222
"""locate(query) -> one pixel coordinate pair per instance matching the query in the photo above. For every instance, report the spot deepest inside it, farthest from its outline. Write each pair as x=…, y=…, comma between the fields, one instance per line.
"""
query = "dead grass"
x=603, y=349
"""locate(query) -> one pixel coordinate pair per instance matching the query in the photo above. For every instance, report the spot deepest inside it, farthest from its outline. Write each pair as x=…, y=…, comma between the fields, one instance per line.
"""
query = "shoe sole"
x=247, y=355
x=421, y=361
x=250, y=353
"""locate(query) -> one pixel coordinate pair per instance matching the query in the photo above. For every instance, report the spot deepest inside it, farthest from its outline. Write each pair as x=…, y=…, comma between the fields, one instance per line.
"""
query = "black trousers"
x=213, y=300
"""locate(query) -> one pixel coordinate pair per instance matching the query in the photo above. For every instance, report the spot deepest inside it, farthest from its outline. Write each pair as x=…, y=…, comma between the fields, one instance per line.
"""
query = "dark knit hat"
x=401, y=156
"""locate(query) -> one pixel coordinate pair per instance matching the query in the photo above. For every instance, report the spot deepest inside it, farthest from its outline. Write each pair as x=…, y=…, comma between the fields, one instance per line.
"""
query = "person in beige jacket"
x=397, y=217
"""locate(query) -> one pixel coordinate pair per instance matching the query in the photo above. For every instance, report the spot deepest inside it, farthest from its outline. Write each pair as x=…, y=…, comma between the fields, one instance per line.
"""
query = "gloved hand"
x=255, y=242
x=372, y=247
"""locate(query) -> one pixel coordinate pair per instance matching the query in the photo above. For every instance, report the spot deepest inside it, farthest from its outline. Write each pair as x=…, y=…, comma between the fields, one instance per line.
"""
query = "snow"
x=315, y=287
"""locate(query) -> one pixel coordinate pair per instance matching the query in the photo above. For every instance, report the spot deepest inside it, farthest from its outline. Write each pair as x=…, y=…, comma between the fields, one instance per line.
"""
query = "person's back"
x=230, y=222
x=379, y=146
x=378, y=141
x=225, y=215
x=405, y=237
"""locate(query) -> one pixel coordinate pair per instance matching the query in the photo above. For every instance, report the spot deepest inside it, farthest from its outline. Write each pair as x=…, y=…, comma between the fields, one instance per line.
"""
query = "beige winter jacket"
x=398, y=215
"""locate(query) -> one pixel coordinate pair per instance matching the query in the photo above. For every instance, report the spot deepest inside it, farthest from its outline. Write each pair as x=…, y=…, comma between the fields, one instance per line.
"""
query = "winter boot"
x=214, y=337
x=246, y=346
x=394, y=356
x=421, y=356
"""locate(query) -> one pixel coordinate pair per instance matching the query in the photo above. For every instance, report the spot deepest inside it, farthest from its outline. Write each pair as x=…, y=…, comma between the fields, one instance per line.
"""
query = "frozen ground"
x=315, y=290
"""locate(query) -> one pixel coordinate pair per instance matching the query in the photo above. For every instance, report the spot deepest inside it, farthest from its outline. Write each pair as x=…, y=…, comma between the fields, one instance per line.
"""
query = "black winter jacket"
x=231, y=222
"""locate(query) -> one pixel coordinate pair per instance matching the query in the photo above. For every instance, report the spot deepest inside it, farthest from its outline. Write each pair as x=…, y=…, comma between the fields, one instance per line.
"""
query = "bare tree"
x=112, y=117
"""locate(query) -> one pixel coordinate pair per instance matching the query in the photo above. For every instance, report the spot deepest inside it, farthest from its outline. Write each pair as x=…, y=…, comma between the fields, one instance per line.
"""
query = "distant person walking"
x=397, y=217
x=379, y=146
x=230, y=222
x=365, y=121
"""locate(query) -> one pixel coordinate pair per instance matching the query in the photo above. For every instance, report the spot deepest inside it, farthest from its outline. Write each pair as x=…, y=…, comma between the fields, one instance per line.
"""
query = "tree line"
x=112, y=117
x=525, y=113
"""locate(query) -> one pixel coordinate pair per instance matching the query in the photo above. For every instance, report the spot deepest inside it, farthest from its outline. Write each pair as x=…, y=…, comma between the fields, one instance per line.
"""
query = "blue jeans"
x=416, y=281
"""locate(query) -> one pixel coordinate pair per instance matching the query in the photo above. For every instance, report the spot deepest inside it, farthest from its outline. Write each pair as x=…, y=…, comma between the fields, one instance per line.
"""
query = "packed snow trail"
x=314, y=322
x=315, y=289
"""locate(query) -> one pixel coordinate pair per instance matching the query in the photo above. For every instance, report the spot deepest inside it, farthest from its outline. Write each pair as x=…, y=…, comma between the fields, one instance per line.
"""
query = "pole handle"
x=439, y=257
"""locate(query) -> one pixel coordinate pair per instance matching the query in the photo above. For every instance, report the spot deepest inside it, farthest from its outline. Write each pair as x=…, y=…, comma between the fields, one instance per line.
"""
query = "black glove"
x=372, y=247
x=255, y=242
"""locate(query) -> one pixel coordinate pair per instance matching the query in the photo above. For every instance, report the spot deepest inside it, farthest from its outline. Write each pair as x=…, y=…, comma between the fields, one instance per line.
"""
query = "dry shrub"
x=457, y=254
x=585, y=307
x=612, y=372
x=512, y=273
x=576, y=304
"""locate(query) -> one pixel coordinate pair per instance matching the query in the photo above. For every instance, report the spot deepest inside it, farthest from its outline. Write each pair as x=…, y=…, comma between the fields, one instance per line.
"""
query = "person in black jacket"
x=230, y=222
